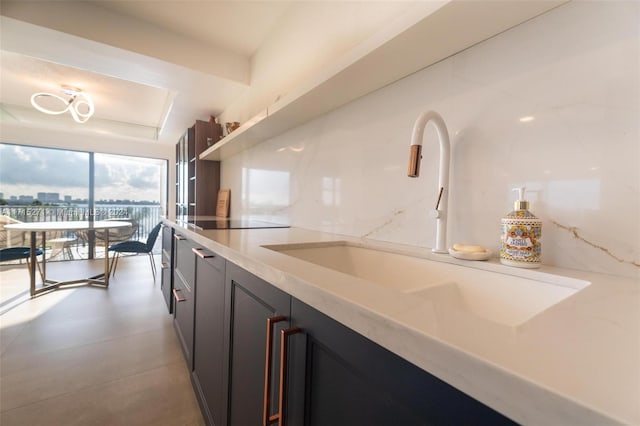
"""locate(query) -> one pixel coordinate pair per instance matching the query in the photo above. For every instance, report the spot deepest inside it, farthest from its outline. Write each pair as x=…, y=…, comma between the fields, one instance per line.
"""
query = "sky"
x=28, y=170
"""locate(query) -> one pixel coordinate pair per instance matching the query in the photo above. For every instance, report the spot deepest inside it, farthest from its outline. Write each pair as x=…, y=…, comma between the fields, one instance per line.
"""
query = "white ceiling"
x=238, y=26
x=152, y=66
x=106, y=48
x=22, y=75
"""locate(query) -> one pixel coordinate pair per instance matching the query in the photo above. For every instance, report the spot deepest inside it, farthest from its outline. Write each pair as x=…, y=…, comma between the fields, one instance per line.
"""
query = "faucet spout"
x=440, y=211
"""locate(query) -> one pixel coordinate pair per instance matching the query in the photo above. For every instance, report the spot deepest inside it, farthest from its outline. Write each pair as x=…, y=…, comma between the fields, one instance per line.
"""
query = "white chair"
x=60, y=244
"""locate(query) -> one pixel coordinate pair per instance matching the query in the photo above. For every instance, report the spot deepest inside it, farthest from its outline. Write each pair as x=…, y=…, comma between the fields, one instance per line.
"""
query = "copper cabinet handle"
x=175, y=295
x=266, y=419
x=179, y=237
x=200, y=254
x=284, y=342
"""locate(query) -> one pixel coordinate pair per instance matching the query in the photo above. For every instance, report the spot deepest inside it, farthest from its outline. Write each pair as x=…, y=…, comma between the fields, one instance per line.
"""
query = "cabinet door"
x=182, y=177
x=166, y=283
x=338, y=377
x=207, y=173
x=208, y=351
x=184, y=294
x=184, y=315
x=184, y=261
x=167, y=241
x=166, y=280
x=250, y=302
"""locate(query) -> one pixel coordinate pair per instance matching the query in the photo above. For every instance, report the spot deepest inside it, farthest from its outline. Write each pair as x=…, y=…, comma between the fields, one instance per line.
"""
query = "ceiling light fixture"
x=79, y=104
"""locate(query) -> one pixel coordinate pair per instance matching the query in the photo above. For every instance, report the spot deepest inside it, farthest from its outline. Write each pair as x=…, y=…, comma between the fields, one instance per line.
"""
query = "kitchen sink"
x=498, y=297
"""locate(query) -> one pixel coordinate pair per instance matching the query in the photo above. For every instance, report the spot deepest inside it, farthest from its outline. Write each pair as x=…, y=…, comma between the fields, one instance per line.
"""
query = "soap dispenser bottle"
x=521, y=233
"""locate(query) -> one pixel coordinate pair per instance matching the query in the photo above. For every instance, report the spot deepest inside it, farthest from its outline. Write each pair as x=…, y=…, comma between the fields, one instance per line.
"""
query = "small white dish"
x=484, y=255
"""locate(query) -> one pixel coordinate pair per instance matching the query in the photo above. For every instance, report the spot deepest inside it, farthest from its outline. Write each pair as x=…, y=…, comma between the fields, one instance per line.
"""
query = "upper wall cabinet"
x=388, y=56
x=197, y=182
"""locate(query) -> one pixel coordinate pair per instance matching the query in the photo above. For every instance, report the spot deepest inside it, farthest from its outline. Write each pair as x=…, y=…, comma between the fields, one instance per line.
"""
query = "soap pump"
x=521, y=233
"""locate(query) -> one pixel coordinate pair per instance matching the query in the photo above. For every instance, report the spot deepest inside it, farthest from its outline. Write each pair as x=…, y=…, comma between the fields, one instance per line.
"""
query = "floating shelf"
x=400, y=50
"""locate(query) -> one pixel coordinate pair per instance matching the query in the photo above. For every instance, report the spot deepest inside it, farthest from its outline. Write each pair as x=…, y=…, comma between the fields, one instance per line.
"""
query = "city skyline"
x=54, y=198
x=27, y=171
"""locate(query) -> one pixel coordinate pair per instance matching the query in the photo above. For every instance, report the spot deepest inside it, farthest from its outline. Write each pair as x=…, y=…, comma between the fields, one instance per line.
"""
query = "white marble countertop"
x=578, y=362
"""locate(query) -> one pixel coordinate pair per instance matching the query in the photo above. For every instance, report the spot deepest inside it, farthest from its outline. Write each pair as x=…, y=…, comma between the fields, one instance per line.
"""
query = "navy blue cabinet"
x=242, y=336
x=253, y=310
x=166, y=276
x=184, y=293
x=209, y=368
x=338, y=377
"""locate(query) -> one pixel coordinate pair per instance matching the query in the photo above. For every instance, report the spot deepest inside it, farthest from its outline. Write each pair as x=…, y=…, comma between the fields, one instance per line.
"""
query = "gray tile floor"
x=90, y=356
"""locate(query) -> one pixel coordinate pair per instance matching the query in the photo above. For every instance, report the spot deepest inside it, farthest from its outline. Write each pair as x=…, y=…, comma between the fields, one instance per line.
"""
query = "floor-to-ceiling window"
x=44, y=184
x=132, y=188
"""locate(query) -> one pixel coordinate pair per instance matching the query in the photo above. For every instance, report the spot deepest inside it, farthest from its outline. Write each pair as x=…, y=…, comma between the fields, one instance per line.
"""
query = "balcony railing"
x=144, y=217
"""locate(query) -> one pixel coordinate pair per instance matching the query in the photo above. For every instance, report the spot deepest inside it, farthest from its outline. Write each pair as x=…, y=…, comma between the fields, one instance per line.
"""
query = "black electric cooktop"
x=235, y=224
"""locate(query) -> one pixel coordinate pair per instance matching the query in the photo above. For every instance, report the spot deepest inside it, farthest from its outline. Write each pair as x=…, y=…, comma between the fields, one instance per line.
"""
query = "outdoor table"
x=44, y=227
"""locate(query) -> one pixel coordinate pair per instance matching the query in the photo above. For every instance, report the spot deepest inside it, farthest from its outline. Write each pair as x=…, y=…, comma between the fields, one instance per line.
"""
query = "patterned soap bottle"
x=521, y=233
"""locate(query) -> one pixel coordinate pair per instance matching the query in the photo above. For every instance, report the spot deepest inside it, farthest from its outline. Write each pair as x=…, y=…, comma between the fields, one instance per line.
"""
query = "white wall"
x=96, y=23
x=574, y=69
x=308, y=37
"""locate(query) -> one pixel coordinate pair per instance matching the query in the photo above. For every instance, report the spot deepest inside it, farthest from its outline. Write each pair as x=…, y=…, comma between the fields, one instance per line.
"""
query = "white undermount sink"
x=498, y=297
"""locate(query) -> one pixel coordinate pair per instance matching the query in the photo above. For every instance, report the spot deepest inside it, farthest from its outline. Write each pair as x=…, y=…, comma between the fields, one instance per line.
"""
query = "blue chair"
x=136, y=247
x=19, y=253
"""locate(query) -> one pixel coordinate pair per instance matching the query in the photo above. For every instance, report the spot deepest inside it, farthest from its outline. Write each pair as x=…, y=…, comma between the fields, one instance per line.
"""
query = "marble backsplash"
x=552, y=104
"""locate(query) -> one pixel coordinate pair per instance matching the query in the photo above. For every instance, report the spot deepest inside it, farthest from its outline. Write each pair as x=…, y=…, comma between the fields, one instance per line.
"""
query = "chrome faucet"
x=440, y=211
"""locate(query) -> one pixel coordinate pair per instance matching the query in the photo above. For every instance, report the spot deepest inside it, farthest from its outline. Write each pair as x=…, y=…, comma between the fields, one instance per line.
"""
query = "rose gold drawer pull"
x=200, y=254
x=282, y=394
x=175, y=296
x=266, y=419
x=179, y=237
